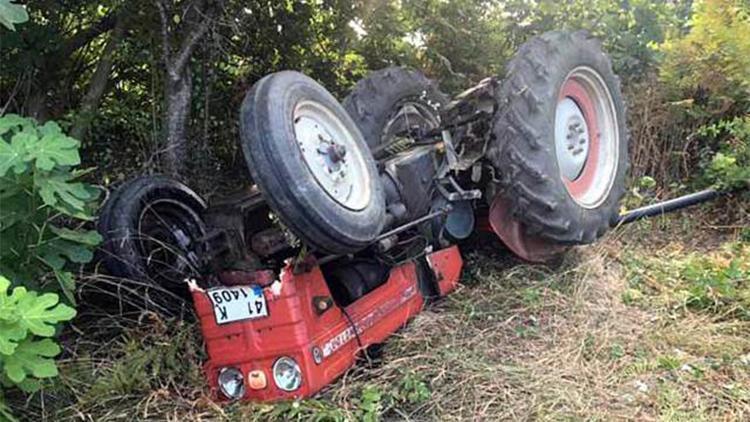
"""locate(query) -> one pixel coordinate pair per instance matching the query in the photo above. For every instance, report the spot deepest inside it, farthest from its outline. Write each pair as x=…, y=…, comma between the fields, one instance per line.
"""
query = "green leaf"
x=13, y=155
x=14, y=206
x=22, y=312
x=32, y=358
x=35, y=313
x=67, y=284
x=29, y=385
x=50, y=128
x=10, y=335
x=55, y=149
x=57, y=190
x=9, y=121
x=8, y=303
x=56, y=249
x=11, y=14
x=86, y=237
x=39, y=314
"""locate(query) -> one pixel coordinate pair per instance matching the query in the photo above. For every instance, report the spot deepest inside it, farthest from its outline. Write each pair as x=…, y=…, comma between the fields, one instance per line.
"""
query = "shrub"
x=39, y=200
x=25, y=317
x=42, y=207
x=706, y=73
x=730, y=167
x=709, y=68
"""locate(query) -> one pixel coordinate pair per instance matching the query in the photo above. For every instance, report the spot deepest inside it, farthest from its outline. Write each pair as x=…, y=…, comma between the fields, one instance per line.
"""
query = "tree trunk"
x=178, y=84
x=179, y=91
x=98, y=84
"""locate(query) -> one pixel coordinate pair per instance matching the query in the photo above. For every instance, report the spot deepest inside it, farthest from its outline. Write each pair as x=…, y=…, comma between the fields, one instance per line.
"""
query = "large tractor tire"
x=392, y=101
x=310, y=161
x=151, y=225
x=561, y=140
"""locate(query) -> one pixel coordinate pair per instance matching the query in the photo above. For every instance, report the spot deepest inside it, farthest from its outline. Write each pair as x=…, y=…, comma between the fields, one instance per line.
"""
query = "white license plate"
x=238, y=303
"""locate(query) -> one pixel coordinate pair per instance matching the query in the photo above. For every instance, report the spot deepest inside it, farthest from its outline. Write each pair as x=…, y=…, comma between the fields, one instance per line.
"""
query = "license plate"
x=238, y=303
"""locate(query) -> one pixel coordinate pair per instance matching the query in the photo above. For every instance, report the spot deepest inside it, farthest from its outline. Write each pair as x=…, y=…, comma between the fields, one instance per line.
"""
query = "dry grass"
x=515, y=342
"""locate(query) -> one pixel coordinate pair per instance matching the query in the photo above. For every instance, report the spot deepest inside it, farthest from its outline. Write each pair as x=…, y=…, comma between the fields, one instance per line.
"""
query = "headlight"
x=286, y=374
x=232, y=383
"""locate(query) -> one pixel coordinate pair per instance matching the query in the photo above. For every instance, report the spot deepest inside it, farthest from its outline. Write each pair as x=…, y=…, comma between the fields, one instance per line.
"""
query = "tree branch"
x=189, y=44
x=84, y=37
x=166, y=48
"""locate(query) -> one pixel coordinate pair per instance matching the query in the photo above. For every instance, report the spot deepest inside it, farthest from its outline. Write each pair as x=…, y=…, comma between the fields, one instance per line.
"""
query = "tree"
x=181, y=30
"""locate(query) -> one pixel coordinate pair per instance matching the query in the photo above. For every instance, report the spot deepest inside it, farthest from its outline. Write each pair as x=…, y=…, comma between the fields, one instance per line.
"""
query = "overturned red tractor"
x=355, y=210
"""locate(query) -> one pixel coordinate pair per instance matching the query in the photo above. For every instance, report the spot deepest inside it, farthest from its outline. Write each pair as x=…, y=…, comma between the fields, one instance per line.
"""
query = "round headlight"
x=232, y=383
x=286, y=374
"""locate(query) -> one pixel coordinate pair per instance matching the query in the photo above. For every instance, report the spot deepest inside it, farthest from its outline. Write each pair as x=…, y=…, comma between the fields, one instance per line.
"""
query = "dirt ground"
x=652, y=323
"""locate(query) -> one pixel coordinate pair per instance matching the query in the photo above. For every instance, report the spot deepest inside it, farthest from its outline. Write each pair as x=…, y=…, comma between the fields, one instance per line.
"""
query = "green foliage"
x=27, y=321
x=708, y=69
x=730, y=167
x=39, y=195
x=371, y=404
x=716, y=282
x=11, y=14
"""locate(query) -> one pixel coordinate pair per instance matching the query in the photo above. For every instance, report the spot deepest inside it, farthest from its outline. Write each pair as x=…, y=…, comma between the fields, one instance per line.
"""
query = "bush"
x=25, y=316
x=39, y=197
x=730, y=167
x=42, y=207
x=708, y=69
x=693, y=115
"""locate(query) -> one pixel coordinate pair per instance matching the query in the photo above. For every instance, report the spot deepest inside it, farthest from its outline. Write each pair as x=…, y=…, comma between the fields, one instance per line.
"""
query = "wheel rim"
x=586, y=137
x=411, y=115
x=168, y=231
x=332, y=155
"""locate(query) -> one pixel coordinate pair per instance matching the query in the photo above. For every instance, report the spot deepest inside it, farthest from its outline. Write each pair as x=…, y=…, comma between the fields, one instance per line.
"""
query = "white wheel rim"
x=571, y=138
x=587, y=142
x=332, y=155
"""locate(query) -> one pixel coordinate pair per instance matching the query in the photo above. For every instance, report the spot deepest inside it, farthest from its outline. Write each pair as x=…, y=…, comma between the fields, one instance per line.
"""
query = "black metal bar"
x=444, y=210
x=669, y=205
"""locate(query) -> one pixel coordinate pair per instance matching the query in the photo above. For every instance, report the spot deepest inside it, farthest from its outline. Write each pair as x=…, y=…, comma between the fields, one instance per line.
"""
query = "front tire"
x=561, y=140
x=312, y=165
x=151, y=227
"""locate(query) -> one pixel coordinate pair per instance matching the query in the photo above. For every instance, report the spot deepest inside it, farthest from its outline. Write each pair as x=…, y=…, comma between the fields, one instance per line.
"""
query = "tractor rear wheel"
x=561, y=141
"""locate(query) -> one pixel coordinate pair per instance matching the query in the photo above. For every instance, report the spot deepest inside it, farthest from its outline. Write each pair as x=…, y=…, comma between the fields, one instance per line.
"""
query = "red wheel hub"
x=575, y=91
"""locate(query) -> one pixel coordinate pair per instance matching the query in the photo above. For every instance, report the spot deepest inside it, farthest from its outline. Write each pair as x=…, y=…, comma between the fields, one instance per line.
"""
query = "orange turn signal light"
x=256, y=379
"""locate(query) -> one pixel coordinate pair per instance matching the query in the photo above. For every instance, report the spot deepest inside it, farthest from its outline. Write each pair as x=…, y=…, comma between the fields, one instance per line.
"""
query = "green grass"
x=650, y=324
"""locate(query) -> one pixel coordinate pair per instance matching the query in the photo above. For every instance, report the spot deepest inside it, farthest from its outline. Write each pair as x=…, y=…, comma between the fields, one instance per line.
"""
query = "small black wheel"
x=390, y=103
x=561, y=141
x=151, y=226
x=312, y=165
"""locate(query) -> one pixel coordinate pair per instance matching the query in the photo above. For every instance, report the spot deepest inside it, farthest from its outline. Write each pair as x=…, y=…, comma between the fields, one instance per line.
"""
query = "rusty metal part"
x=512, y=233
x=269, y=241
x=467, y=120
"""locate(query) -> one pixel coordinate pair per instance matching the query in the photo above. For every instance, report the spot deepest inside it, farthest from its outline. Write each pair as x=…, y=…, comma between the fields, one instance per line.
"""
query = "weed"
x=668, y=362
